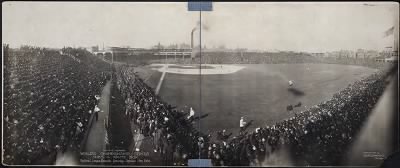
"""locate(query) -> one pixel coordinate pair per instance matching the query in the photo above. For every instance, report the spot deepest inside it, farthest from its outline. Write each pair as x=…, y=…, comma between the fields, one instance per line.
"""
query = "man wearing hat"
x=242, y=124
x=96, y=112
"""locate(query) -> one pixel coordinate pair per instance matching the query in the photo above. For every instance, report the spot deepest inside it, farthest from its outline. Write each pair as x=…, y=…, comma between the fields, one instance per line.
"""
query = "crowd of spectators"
x=172, y=130
x=49, y=97
x=317, y=136
x=48, y=100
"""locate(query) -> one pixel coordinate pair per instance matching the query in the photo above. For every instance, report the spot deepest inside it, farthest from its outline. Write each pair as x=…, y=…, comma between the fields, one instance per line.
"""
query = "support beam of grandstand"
x=378, y=126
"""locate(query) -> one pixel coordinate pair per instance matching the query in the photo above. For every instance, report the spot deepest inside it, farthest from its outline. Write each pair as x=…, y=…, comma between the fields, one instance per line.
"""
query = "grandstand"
x=247, y=57
x=47, y=97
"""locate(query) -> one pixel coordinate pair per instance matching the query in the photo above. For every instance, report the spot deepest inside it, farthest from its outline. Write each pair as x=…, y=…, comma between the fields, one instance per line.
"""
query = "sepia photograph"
x=200, y=84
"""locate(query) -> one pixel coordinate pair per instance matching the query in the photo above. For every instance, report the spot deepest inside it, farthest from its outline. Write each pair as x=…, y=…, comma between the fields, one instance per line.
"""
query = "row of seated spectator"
x=48, y=100
x=308, y=136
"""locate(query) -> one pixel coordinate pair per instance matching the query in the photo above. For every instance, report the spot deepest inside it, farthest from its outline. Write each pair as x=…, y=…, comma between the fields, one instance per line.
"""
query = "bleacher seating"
x=47, y=99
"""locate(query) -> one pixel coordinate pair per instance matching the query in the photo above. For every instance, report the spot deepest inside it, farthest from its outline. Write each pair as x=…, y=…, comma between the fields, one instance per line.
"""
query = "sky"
x=310, y=27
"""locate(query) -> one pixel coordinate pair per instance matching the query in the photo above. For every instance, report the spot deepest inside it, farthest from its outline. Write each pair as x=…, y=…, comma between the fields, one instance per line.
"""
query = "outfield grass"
x=258, y=92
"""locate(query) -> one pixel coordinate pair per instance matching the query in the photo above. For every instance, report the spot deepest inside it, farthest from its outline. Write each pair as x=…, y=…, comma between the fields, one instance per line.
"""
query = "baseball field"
x=259, y=92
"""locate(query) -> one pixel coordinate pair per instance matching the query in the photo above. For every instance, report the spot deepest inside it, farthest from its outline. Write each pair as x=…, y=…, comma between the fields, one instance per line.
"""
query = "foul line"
x=161, y=79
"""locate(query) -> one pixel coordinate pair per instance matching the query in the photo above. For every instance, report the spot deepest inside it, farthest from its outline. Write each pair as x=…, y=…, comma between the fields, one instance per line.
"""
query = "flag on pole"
x=389, y=32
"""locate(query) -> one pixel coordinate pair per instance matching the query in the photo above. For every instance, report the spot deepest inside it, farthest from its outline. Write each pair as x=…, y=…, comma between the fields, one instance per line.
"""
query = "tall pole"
x=396, y=30
x=200, y=81
x=112, y=65
x=191, y=38
x=199, y=6
x=192, y=44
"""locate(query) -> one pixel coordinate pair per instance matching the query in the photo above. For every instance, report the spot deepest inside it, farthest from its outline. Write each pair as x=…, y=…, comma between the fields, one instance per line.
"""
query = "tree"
x=184, y=46
x=158, y=46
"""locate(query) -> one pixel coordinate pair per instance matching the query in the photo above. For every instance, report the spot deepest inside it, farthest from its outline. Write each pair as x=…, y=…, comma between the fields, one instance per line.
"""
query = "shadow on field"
x=296, y=92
